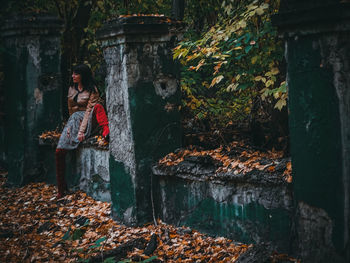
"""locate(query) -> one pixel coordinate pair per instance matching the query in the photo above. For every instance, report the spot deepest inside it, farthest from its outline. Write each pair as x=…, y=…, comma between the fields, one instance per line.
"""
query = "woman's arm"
x=94, y=98
x=70, y=110
x=70, y=100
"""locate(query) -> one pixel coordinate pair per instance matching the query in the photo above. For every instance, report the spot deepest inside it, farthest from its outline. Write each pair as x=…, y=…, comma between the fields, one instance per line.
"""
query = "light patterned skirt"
x=69, y=136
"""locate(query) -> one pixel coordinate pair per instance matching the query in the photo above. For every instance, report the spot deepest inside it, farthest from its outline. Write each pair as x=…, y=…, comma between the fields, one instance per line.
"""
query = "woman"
x=84, y=109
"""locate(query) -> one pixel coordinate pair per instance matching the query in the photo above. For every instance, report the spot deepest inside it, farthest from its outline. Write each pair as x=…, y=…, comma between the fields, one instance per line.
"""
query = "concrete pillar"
x=317, y=37
x=2, y=116
x=32, y=91
x=143, y=100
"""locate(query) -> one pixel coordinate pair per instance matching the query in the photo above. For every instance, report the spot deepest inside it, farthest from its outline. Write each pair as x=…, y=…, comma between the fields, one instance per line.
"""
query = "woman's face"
x=76, y=77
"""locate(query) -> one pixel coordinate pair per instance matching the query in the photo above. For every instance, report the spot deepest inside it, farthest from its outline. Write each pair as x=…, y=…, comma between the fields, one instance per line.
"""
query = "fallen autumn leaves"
x=35, y=227
x=236, y=157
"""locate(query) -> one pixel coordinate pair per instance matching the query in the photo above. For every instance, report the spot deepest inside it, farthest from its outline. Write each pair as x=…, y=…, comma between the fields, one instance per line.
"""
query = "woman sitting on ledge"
x=85, y=110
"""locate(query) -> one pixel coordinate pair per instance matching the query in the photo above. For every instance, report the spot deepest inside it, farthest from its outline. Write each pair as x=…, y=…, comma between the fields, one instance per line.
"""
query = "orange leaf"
x=271, y=169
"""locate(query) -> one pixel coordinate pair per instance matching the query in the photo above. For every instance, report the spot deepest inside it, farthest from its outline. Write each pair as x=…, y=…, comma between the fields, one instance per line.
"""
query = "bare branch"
x=59, y=9
x=66, y=2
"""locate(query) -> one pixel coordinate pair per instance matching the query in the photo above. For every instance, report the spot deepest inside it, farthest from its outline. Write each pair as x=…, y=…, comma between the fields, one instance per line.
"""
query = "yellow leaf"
x=201, y=63
x=251, y=13
x=259, y=11
x=100, y=5
x=264, y=6
x=243, y=24
x=264, y=93
x=254, y=59
x=216, y=80
x=276, y=95
x=232, y=87
x=274, y=71
x=251, y=6
x=280, y=104
x=269, y=83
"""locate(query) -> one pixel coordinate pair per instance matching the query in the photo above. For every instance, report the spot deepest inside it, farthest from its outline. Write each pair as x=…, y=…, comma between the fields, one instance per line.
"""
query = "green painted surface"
x=156, y=132
x=48, y=158
x=241, y=222
x=122, y=190
x=15, y=104
x=3, y=150
x=315, y=132
x=72, y=176
x=186, y=204
x=32, y=95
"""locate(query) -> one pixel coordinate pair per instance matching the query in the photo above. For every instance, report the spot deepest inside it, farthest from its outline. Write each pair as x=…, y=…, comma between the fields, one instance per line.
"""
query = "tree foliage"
x=235, y=65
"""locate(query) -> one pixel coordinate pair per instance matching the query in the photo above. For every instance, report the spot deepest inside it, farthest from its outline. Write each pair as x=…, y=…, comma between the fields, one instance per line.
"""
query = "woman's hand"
x=81, y=136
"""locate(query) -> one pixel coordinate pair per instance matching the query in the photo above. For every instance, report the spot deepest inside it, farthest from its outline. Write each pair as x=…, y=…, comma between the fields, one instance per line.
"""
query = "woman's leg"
x=102, y=120
x=60, y=155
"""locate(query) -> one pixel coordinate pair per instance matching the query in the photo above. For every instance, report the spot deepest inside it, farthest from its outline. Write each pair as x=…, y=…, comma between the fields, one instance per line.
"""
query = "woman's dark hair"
x=86, y=77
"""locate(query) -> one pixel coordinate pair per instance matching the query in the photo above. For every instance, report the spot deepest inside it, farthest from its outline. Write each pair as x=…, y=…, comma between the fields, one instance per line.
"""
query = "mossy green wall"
x=15, y=98
x=315, y=131
x=237, y=214
x=32, y=92
x=156, y=132
x=122, y=191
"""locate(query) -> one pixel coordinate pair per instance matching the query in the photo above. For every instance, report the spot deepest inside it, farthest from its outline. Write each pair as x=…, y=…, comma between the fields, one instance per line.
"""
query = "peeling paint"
x=92, y=166
x=38, y=95
x=244, y=212
x=307, y=127
x=118, y=110
x=128, y=216
x=314, y=229
x=34, y=52
x=339, y=60
x=165, y=86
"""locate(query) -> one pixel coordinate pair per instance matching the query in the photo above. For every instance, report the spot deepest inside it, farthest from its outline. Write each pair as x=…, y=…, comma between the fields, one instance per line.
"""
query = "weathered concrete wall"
x=87, y=168
x=32, y=91
x=2, y=115
x=92, y=169
x=255, y=207
x=317, y=53
x=142, y=104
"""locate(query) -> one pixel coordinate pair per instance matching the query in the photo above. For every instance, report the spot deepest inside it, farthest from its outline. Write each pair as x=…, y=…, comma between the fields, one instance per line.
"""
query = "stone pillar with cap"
x=143, y=100
x=317, y=37
x=32, y=90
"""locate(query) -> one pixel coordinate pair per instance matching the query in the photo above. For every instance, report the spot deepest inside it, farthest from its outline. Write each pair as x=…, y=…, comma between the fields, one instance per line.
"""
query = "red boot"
x=102, y=120
x=60, y=172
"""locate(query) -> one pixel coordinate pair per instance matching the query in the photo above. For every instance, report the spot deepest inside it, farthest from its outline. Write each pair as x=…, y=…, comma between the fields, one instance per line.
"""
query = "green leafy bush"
x=234, y=68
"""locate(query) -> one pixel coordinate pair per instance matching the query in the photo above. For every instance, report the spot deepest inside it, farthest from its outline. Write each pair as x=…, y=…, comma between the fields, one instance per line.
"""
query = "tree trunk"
x=72, y=51
x=178, y=9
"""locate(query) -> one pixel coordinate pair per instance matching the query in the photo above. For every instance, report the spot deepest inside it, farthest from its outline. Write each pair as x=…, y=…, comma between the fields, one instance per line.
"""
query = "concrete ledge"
x=87, y=168
x=31, y=24
x=255, y=207
x=92, y=167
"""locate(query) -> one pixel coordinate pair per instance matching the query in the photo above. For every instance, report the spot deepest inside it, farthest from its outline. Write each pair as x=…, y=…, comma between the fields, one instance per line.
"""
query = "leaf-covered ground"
x=36, y=227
